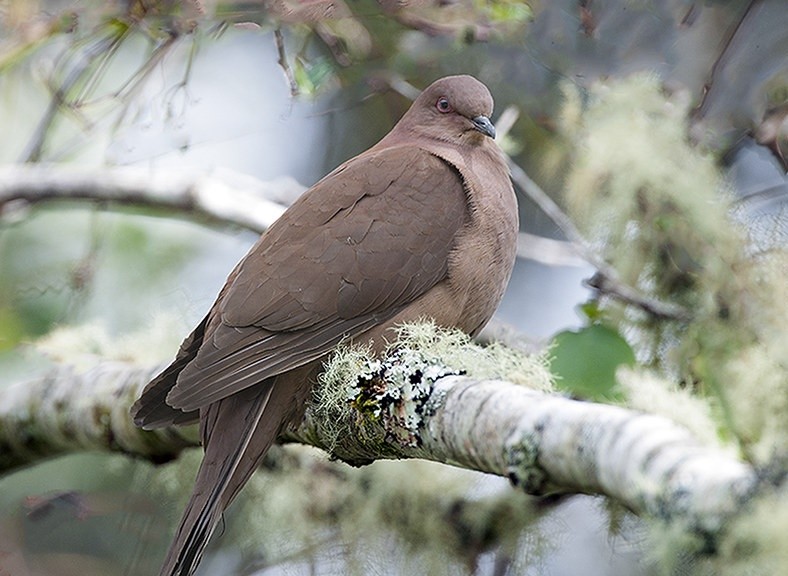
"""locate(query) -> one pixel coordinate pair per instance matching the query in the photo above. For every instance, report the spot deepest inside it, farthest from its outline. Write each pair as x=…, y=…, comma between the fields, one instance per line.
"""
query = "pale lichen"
x=86, y=345
x=658, y=210
x=439, y=517
x=399, y=385
x=754, y=544
x=647, y=391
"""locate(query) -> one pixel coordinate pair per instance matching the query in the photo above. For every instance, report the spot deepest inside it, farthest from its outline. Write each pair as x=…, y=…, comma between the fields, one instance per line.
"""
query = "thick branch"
x=64, y=412
x=542, y=442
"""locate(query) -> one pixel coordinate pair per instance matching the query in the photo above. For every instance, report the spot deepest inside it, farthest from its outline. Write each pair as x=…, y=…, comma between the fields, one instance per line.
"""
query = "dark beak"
x=483, y=125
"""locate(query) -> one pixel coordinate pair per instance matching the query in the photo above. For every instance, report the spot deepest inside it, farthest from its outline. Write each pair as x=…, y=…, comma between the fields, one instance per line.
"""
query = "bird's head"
x=452, y=109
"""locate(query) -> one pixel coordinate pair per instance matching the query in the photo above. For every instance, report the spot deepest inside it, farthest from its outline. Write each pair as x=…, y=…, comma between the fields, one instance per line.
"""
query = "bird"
x=422, y=225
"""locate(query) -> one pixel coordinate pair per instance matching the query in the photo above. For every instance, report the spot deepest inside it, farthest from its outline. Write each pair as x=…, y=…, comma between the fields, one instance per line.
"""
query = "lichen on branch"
x=659, y=211
x=396, y=390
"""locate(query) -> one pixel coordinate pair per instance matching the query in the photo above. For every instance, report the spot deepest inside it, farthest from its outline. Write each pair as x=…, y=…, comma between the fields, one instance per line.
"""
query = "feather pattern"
x=320, y=278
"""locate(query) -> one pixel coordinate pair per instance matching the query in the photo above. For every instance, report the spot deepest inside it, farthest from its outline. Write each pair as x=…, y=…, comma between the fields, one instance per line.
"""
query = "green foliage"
x=505, y=11
x=584, y=362
x=11, y=329
x=311, y=75
x=58, y=265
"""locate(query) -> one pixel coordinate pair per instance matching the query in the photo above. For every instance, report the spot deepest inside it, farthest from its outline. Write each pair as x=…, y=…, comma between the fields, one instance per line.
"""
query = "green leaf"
x=590, y=309
x=585, y=361
x=311, y=76
x=507, y=11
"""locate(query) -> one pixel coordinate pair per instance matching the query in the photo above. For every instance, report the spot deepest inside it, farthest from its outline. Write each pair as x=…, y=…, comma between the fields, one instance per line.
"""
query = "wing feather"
x=358, y=247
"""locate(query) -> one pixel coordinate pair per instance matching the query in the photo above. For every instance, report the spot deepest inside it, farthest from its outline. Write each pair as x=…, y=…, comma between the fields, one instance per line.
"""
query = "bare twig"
x=730, y=40
x=35, y=147
x=629, y=295
x=548, y=251
x=282, y=61
x=554, y=212
x=606, y=280
x=401, y=86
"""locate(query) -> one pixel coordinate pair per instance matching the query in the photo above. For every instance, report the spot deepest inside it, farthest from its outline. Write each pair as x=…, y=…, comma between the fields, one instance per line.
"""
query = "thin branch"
x=225, y=196
x=548, y=251
x=730, y=37
x=282, y=61
x=554, y=212
x=606, y=280
x=236, y=199
x=629, y=295
x=35, y=147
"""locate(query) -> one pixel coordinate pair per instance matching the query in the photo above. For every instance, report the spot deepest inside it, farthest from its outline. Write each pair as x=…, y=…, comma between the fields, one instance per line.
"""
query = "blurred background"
x=287, y=89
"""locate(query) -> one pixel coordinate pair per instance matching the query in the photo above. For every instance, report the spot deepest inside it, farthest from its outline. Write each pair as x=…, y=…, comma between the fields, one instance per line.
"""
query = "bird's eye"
x=443, y=105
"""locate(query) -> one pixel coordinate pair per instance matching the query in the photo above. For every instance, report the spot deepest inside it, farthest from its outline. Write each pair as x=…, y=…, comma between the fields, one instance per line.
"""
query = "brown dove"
x=421, y=225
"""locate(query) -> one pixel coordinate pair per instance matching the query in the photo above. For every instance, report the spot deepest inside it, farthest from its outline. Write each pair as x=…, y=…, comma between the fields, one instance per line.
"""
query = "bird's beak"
x=483, y=125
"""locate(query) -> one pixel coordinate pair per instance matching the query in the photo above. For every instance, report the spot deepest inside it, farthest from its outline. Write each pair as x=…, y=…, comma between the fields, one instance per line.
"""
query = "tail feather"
x=231, y=457
x=236, y=433
x=151, y=409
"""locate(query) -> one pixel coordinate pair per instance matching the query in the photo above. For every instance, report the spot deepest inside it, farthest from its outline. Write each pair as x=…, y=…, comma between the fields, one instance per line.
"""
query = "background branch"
x=223, y=196
x=606, y=280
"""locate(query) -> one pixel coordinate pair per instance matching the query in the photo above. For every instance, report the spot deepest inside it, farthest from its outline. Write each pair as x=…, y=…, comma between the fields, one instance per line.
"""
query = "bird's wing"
x=360, y=245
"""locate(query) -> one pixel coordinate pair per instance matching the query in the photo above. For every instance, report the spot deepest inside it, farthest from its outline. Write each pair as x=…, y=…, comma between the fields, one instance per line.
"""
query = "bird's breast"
x=482, y=260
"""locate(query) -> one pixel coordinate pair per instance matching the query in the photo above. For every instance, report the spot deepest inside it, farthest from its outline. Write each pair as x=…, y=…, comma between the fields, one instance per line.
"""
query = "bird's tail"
x=232, y=454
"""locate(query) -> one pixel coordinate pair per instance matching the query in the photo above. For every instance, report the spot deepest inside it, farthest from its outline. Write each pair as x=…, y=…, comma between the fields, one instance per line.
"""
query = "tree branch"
x=223, y=196
x=542, y=442
x=606, y=280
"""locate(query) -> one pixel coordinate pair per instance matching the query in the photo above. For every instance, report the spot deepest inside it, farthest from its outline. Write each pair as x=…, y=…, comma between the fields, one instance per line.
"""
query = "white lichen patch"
x=397, y=389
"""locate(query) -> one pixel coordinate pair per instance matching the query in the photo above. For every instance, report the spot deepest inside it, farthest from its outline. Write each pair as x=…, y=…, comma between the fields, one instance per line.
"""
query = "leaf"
x=506, y=11
x=585, y=361
x=311, y=76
